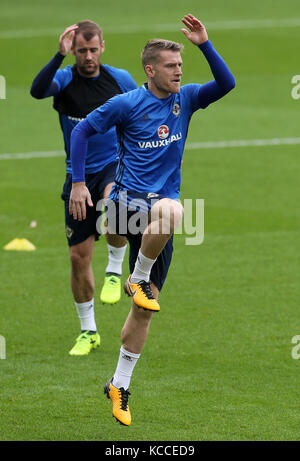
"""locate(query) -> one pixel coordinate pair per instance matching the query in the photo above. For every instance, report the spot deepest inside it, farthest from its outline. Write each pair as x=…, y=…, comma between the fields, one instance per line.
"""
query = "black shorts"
x=119, y=216
x=79, y=231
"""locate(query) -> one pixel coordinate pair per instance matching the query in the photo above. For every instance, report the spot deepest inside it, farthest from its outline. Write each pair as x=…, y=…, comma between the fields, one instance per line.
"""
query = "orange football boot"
x=119, y=398
x=141, y=294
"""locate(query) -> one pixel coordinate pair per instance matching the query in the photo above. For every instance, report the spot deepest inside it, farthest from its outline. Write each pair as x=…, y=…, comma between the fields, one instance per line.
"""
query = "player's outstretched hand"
x=79, y=196
x=66, y=39
x=197, y=33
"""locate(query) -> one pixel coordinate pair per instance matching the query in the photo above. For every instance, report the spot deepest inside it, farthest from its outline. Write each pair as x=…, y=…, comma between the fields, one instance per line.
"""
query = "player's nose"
x=178, y=70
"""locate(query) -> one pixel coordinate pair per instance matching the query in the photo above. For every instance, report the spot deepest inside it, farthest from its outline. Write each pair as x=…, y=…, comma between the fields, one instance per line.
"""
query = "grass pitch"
x=217, y=364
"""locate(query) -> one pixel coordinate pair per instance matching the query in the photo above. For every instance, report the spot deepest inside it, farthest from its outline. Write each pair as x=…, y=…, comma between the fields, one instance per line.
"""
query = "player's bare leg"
x=116, y=244
x=83, y=288
x=82, y=277
x=165, y=216
x=136, y=326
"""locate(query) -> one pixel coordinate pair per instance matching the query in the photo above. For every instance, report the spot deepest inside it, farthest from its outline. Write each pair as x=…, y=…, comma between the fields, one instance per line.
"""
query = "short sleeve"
x=63, y=77
x=191, y=95
x=112, y=113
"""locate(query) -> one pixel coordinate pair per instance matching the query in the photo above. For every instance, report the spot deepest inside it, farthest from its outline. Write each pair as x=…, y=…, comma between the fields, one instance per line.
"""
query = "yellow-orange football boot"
x=119, y=398
x=141, y=294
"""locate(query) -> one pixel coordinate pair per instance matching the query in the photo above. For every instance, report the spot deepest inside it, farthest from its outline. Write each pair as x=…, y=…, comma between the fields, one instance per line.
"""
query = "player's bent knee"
x=172, y=214
x=178, y=212
x=169, y=212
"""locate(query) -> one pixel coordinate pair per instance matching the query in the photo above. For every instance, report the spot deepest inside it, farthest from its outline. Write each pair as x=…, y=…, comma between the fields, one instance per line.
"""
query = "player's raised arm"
x=224, y=80
x=43, y=85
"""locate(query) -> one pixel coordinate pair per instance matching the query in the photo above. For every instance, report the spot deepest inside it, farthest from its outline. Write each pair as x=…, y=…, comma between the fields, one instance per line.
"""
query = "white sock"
x=86, y=315
x=142, y=268
x=126, y=364
x=115, y=259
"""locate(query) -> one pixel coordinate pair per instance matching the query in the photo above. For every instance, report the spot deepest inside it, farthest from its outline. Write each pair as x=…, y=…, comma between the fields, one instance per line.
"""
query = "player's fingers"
x=186, y=33
x=191, y=17
x=72, y=35
x=83, y=211
x=77, y=212
x=70, y=207
x=74, y=210
x=187, y=19
x=195, y=21
x=89, y=201
x=187, y=22
x=68, y=30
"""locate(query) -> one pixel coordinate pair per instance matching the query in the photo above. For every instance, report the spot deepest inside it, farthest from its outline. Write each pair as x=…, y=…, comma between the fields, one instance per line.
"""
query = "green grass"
x=217, y=364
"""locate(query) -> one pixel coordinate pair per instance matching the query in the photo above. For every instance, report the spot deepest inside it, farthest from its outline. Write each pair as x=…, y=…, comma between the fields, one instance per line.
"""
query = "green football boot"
x=111, y=291
x=85, y=343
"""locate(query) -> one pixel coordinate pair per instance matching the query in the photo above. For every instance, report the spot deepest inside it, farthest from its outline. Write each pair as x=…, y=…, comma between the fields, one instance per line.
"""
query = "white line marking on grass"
x=28, y=155
x=242, y=143
x=189, y=146
x=215, y=25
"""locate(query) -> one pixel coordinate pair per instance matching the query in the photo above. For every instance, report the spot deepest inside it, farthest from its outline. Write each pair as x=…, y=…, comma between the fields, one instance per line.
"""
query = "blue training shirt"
x=152, y=131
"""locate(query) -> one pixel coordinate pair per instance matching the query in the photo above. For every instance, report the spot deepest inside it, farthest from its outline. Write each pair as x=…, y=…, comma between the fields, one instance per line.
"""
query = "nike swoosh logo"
x=132, y=293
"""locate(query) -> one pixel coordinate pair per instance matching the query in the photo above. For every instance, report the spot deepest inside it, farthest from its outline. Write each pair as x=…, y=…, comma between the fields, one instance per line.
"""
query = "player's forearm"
x=42, y=85
x=79, y=145
x=223, y=76
x=224, y=80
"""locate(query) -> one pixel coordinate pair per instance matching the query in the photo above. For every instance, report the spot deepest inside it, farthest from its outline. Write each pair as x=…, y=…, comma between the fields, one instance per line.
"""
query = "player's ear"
x=149, y=69
x=102, y=46
x=72, y=50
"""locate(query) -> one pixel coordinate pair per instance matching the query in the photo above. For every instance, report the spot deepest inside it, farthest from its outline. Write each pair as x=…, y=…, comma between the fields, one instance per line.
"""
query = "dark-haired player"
x=77, y=91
